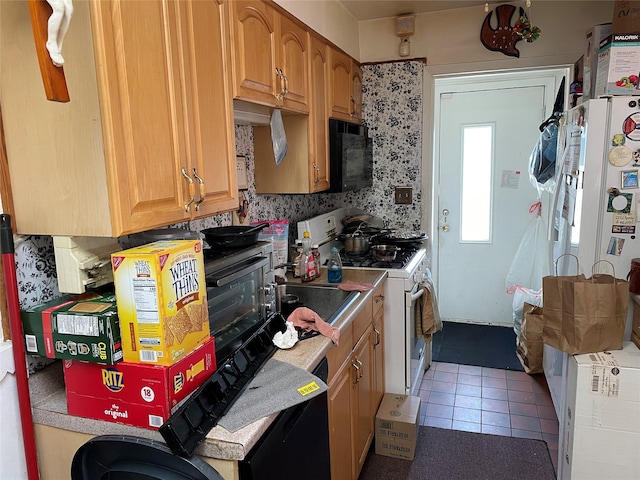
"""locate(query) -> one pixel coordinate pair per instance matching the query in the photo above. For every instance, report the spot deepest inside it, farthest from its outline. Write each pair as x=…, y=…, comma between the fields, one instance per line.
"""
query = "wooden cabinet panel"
x=212, y=137
x=254, y=51
x=356, y=385
x=340, y=441
x=110, y=161
x=377, y=341
x=270, y=56
x=356, y=92
x=293, y=60
x=340, y=85
x=319, y=135
x=363, y=416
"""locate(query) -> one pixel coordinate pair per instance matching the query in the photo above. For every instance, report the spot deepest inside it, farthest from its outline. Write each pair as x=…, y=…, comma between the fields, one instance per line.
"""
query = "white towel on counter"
x=277, y=386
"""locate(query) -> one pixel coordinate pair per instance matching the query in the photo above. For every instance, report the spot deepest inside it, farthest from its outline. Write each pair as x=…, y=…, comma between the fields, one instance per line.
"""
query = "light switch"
x=403, y=195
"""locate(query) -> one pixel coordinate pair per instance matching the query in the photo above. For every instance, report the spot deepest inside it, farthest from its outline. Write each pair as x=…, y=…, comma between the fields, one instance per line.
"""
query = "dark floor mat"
x=482, y=345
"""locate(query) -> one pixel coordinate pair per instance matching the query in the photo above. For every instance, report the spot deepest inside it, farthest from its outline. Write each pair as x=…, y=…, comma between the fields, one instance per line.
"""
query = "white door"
x=485, y=136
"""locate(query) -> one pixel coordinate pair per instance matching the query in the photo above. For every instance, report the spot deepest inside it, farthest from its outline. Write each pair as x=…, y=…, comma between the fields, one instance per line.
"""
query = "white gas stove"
x=406, y=357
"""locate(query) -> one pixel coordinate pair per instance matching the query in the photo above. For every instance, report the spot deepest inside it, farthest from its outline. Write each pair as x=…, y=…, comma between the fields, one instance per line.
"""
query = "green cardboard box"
x=75, y=328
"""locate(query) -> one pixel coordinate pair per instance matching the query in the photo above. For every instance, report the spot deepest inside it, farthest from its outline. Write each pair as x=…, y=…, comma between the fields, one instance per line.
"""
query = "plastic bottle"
x=334, y=267
x=316, y=259
x=297, y=259
x=307, y=263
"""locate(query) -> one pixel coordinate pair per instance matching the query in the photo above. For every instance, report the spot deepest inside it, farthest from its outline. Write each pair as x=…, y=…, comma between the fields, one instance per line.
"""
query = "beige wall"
x=330, y=19
x=450, y=40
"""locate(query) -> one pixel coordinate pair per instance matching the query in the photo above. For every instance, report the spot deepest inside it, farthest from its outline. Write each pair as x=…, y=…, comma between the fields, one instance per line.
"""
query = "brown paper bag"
x=530, y=344
x=552, y=290
x=584, y=315
x=594, y=314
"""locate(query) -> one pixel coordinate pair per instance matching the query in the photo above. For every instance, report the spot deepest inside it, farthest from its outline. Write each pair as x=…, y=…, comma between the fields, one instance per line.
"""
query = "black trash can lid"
x=121, y=457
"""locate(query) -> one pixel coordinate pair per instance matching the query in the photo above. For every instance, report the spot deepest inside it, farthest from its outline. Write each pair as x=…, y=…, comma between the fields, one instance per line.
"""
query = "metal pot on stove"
x=357, y=243
x=384, y=253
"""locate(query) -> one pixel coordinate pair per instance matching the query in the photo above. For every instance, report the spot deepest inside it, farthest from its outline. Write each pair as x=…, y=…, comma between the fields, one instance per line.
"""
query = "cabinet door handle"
x=360, y=369
x=357, y=367
x=377, y=341
x=354, y=110
x=192, y=190
x=200, y=188
x=315, y=174
x=380, y=298
x=283, y=85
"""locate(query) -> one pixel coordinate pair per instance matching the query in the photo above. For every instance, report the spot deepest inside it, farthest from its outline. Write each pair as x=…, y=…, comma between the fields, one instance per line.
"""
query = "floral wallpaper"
x=392, y=109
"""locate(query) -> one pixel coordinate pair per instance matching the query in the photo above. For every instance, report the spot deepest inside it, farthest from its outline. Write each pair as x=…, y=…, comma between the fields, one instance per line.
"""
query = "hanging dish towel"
x=428, y=319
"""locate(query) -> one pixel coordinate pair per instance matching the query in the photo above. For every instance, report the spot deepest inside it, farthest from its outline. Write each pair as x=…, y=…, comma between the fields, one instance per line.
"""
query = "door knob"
x=445, y=228
x=445, y=212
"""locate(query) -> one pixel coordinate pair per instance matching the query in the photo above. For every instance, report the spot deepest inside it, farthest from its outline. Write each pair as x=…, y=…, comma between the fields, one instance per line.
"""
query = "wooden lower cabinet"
x=356, y=383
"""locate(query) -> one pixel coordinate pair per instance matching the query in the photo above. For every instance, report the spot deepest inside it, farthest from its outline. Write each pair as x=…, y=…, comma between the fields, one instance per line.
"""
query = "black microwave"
x=350, y=156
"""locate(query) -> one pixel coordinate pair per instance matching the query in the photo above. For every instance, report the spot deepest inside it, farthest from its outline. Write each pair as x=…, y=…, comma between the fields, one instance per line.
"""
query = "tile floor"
x=489, y=400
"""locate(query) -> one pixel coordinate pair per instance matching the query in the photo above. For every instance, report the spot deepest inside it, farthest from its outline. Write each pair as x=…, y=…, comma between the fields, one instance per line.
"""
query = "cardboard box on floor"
x=397, y=426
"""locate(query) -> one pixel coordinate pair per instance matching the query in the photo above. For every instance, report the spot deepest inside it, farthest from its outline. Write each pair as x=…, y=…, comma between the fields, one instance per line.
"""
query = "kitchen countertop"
x=49, y=403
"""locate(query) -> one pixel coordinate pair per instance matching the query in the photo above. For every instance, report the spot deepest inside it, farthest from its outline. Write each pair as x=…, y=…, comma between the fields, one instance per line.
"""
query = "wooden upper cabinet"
x=148, y=101
x=345, y=88
x=340, y=85
x=210, y=126
x=270, y=58
x=293, y=61
x=319, y=154
x=253, y=26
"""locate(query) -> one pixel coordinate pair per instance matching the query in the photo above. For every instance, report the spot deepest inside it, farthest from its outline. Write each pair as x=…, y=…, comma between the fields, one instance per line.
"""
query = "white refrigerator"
x=593, y=212
x=594, y=209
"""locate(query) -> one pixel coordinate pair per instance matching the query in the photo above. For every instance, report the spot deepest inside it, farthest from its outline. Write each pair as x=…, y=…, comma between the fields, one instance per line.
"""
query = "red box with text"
x=136, y=394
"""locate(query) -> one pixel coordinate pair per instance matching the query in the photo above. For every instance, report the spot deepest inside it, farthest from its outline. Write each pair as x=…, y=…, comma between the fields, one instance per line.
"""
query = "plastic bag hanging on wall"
x=278, y=136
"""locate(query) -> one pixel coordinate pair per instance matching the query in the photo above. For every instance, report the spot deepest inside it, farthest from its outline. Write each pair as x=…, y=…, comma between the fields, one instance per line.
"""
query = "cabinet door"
x=254, y=51
x=340, y=442
x=361, y=400
x=139, y=70
x=377, y=344
x=210, y=127
x=340, y=85
x=293, y=61
x=319, y=150
x=356, y=93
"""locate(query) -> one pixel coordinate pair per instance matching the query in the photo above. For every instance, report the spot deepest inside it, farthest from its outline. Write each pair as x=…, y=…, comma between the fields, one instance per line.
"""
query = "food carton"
x=133, y=393
x=162, y=300
x=397, y=426
x=619, y=65
x=82, y=327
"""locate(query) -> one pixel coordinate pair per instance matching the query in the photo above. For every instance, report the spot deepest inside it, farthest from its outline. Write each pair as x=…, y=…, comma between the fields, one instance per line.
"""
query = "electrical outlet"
x=404, y=195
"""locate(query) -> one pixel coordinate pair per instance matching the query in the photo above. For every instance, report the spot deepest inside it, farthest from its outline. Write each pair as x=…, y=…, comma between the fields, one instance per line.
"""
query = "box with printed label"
x=397, y=426
x=626, y=16
x=162, y=300
x=133, y=393
x=601, y=420
x=83, y=327
x=594, y=36
x=618, y=70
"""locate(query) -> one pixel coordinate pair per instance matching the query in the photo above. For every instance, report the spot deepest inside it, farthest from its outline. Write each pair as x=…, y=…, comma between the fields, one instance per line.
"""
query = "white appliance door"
x=615, y=233
x=416, y=348
x=580, y=198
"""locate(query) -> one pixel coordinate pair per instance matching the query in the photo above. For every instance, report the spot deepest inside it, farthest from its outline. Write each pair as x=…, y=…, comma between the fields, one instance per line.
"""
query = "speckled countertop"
x=49, y=402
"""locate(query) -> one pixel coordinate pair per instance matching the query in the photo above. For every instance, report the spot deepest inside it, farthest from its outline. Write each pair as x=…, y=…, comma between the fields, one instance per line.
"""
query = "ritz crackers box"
x=162, y=300
x=133, y=393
